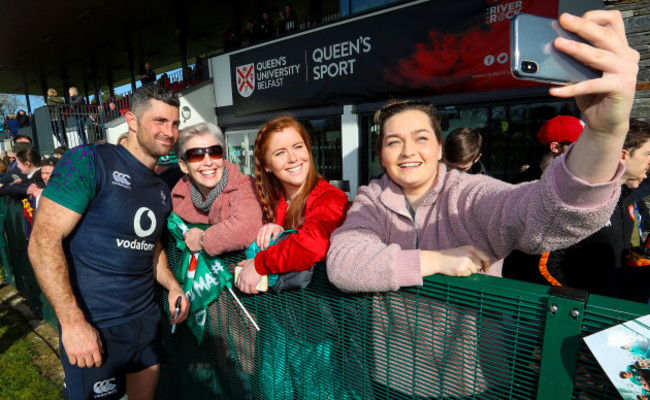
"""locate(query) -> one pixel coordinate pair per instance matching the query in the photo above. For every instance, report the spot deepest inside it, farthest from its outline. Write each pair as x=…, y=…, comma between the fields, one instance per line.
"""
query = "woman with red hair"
x=294, y=362
x=293, y=195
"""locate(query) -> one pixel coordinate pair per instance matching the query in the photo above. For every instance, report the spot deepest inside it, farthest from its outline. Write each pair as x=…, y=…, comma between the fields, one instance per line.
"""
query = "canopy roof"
x=72, y=42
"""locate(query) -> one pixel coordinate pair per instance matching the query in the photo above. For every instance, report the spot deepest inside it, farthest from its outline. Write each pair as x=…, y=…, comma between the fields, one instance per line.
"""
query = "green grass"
x=20, y=379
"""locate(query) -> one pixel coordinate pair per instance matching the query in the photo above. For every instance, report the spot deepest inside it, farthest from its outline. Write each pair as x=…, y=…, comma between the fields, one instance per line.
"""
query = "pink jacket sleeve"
x=360, y=259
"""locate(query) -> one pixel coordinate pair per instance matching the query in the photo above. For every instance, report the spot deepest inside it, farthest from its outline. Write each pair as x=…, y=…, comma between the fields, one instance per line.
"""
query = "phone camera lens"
x=529, y=67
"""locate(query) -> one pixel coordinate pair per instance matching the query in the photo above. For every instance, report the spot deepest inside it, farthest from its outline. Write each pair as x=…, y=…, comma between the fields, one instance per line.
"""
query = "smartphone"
x=263, y=284
x=533, y=56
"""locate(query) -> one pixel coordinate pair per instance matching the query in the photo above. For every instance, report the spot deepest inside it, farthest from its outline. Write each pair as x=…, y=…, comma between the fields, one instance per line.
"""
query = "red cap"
x=562, y=128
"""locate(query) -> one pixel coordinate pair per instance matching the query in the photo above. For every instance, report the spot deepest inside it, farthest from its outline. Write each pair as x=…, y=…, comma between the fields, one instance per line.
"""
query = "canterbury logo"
x=101, y=387
x=122, y=178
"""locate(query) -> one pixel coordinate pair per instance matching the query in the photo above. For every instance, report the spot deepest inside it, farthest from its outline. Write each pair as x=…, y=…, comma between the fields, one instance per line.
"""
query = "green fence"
x=456, y=338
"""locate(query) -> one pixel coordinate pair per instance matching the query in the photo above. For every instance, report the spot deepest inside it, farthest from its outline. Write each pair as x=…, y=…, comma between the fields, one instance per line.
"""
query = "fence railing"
x=67, y=125
x=456, y=338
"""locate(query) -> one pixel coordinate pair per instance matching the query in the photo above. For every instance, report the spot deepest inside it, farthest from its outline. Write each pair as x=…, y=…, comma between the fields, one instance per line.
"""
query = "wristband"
x=201, y=240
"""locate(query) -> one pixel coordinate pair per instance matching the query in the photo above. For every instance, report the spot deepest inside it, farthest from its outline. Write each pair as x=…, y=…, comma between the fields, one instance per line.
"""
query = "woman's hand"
x=458, y=261
x=193, y=240
x=248, y=277
x=267, y=233
x=605, y=102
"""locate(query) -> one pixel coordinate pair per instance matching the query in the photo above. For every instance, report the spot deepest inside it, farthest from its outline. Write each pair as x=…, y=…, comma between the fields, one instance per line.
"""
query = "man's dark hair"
x=60, y=150
x=22, y=137
x=141, y=98
x=637, y=135
x=462, y=145
x=49, y=161
x=30, y=155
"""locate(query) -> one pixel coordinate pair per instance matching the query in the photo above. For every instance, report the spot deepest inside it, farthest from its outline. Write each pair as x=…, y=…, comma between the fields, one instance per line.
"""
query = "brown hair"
x=462, y=146
x=29, y=155
x=269, y=188
x=394, y=107
x=637, y=135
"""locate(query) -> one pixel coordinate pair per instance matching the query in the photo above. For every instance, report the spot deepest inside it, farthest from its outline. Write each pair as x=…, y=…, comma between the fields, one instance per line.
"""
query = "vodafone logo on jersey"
x=137, y=222
x=245, y=77
x=144, y=224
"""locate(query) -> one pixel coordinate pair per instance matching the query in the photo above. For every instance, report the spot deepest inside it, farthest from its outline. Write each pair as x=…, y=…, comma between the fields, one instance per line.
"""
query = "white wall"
x=220, y=68
x=114, y=132
x=200, y=100
x=350, y=149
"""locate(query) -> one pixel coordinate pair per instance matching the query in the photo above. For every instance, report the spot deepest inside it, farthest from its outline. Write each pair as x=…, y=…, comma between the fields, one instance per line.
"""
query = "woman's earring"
x=267, y=170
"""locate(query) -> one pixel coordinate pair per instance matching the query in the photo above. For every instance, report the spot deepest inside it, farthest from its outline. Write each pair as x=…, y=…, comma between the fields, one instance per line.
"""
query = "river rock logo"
x=245, y=75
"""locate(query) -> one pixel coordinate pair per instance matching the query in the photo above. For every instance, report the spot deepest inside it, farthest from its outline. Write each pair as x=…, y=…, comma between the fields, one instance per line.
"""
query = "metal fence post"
x=564, y=315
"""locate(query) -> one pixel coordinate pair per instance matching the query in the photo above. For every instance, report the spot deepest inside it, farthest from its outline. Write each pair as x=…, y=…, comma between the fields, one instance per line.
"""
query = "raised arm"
x=52, y=225
x=605, y=102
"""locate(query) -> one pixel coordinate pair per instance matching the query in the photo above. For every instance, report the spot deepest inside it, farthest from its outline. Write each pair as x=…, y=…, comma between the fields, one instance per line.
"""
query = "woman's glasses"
x=197, y=154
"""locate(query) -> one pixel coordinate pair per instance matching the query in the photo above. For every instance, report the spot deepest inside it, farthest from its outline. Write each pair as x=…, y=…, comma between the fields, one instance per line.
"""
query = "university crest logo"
x=245, y=79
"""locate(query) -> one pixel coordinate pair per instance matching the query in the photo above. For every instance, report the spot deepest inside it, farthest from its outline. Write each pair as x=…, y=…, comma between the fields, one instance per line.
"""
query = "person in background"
x=122, y=139
x=422, y=219
x=266, y=26
x=59, y=151
x=77, y=106
x=13, y=173
x=29, y=163
x=198, y=68
x=47, y=167
x=55, y=104
x=112, y=112
x=147, y=75
x=22, y=139
x=462, y=151
x=4, y=161
x=554, y=138
x=13, y=125
x=251, y=33
x=288, y=21
x=598, y=263
x=23, y=118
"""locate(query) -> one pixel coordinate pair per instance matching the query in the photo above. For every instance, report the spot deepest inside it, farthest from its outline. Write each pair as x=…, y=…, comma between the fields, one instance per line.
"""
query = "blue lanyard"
x=637, y=216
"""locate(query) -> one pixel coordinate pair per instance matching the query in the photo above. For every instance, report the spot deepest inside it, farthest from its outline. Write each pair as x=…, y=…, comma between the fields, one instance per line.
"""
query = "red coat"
x=235, y=216
x=325, y=211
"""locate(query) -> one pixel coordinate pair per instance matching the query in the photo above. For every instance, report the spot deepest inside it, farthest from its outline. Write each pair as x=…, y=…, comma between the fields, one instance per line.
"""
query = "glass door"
x=239, y=146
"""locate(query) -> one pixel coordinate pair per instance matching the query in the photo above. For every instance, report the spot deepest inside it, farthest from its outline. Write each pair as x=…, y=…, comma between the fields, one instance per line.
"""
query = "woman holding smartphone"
x=422, y=219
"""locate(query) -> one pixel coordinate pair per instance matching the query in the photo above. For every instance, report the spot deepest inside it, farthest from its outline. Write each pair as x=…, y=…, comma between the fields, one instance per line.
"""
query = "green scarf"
x=203, y=284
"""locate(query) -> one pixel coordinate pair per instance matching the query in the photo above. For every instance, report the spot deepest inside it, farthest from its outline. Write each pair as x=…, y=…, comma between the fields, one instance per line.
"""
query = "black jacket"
x=596, y=264
x=20, y=189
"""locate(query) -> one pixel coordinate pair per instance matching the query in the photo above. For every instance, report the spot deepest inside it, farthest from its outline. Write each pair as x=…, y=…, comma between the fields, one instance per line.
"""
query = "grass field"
x=20, y=353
